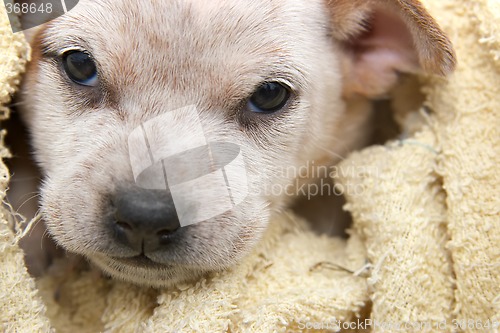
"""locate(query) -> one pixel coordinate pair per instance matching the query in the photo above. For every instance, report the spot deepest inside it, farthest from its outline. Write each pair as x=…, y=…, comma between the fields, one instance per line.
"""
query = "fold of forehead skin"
x=221, y=48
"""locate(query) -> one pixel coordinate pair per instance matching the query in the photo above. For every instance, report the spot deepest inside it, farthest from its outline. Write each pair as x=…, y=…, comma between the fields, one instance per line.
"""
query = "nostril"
x=165, y=236
x=124, y=225
x=165, y=233
x=126, y=234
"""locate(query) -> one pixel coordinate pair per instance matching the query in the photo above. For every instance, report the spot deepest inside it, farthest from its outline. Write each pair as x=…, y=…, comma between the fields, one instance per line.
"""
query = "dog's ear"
x=382, y=38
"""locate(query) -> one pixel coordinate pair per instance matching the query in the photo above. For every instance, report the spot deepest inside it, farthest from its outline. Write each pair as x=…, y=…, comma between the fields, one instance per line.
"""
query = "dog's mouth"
x=141, y=261
x=142, y=270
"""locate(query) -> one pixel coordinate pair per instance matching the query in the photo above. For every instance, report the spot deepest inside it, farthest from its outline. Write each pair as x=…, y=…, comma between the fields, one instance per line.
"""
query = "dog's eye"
x=269, y=97
x=80, y=68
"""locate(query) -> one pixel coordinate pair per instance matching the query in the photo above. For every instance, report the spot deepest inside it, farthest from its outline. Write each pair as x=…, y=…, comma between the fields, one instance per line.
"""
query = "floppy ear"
x=382, y=38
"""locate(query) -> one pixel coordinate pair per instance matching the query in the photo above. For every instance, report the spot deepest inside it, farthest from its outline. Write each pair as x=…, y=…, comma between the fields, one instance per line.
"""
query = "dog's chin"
x=143, y=271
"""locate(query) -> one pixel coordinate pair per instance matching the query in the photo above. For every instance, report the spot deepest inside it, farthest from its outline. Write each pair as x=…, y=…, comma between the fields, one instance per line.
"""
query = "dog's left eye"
x=80, y=68
x=270, y=97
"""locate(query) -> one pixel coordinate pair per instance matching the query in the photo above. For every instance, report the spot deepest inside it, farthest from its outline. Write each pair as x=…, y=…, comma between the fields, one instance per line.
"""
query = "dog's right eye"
x=270, y=97
x=80, y=68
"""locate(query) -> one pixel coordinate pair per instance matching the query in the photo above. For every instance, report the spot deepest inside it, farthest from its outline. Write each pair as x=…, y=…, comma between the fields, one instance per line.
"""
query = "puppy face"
x=274, y=78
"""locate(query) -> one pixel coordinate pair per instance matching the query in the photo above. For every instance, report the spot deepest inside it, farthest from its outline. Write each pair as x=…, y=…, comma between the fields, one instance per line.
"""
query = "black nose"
x=144, y=219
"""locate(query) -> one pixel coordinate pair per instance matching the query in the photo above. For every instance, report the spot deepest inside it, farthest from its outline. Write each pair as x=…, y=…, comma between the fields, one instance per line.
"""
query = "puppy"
x=263, y=85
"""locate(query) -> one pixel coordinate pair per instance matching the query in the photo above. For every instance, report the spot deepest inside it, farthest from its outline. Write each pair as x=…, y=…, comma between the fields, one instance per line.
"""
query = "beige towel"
x=21, y=310
x=429, y=208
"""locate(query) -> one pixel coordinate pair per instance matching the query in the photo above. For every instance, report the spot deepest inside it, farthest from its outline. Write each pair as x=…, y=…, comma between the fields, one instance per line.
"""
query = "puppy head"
x=269, y=77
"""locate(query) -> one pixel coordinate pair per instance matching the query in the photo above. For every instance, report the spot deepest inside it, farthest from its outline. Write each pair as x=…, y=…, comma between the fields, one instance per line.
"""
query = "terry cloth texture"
x=21, y=309
x=426, y=215
x=429, y=208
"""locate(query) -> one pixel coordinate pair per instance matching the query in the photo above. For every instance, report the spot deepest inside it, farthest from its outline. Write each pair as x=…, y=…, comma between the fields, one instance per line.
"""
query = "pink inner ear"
x=380, y=53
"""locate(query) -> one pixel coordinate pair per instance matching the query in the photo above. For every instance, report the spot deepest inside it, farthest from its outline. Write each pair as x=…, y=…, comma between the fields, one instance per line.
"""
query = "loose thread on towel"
x=362, y=272
x=14, y=219
x=18, y=223
x=375, y=276
x=418, y=144
x=30, y=225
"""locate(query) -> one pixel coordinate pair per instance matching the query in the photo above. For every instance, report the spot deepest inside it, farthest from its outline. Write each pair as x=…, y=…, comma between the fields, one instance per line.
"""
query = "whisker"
x=14, y=104
x=45, y=235
x=333, y=154
x=24, y=179
x=35, y=196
